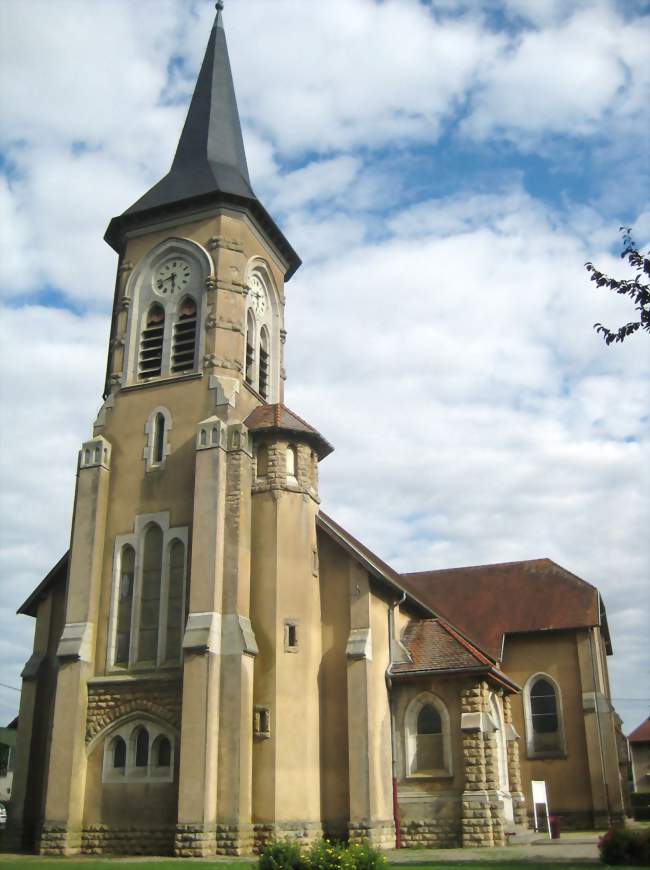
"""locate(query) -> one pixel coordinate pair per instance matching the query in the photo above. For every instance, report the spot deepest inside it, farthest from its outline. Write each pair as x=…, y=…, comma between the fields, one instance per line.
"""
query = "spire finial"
x=219, y=5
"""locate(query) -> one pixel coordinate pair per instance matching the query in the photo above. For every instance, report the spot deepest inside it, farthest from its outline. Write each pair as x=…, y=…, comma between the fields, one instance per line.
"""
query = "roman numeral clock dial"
x=172, y=276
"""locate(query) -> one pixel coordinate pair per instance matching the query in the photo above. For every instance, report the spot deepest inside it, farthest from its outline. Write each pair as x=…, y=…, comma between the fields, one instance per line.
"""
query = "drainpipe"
x=393, y=730
x=598, y=725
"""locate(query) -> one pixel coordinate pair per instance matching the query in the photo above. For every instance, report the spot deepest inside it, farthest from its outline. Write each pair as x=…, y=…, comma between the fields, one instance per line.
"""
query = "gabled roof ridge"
x=542, y=560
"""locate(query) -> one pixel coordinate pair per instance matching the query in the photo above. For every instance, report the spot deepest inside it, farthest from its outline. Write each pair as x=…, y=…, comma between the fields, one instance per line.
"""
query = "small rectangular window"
x=261, y=722
x=290, y=637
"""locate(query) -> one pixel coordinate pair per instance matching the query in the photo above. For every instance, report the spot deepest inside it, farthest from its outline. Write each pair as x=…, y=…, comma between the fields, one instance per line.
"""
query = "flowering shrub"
x=624, y=846
x=282, y=855
x=321, y=855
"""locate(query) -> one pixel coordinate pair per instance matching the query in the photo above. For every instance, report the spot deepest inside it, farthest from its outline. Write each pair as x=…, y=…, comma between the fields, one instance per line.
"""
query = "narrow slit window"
x=124, y=605
x=184, y=343
x=151, y=343
x=150, y=597
x=291, y=637
x=250, y=348
x=159, y=439
x=292, y=460
x=264, y=365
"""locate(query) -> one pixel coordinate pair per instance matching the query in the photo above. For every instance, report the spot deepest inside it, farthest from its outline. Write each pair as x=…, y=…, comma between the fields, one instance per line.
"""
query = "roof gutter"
x=482, y=669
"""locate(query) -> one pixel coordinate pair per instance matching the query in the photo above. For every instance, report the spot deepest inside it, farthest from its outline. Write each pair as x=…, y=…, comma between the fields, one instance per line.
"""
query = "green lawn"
x=32, y=862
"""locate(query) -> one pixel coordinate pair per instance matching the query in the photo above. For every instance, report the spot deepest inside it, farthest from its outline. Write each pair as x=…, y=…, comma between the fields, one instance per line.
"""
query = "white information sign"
x=539, y=797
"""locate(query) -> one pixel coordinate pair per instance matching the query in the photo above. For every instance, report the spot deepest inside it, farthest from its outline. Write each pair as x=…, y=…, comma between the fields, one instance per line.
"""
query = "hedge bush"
x=321, y=855
x=625, y=846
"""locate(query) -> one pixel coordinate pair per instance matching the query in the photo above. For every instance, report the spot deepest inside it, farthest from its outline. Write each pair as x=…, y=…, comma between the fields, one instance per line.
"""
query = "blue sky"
x=444, y=169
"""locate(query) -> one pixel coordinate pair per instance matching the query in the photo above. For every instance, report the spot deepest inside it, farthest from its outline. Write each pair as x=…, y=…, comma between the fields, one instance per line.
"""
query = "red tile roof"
x=281, y=419
x=433, y=646
x=641, y=734
x=436, y=647
x=486, y=602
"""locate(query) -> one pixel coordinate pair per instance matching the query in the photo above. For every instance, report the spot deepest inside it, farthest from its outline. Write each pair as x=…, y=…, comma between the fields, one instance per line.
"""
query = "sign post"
x=539, y=797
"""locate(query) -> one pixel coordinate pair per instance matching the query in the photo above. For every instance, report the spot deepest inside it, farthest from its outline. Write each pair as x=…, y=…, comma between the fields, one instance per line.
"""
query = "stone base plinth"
x=380, y=833
x=235, y=839
x=59, y=840
x=477, y=820
x=195, y=841
x=302, y=832
x=106, y=840
x=431, y=834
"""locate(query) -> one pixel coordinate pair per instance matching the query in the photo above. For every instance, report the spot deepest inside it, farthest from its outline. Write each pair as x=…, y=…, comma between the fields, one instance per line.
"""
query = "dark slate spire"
x=210, y=162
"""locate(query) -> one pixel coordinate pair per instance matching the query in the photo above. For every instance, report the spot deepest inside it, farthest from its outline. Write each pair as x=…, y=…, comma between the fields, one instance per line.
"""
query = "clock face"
x=258, y=295
x=172, y=276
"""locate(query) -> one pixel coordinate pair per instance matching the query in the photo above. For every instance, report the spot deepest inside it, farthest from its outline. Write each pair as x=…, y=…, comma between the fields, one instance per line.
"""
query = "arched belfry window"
x=167, y=302
x=427, y=738
x=261, y=364
x=148, y=599
x=151, y=343
x=543, y=714
x=184, y=344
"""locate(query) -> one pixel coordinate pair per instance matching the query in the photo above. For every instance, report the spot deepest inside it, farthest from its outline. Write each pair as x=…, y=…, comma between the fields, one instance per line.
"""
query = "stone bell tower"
x=188, y=653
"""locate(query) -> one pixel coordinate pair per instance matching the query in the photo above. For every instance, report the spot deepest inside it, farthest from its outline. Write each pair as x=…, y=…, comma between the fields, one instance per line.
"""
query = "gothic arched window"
x=125, y=605
x=543, y=713
x=162, y=752
x=151, y=342
x=119, y=753
x=427, y=737
x=141, y=747
x=150, y=594
x=139, y=751
x=175, y=601
x=148, y=598
x=428, y=750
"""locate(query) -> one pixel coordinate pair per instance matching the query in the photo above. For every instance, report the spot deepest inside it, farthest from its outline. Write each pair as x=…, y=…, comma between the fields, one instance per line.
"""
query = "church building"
x=217, y=663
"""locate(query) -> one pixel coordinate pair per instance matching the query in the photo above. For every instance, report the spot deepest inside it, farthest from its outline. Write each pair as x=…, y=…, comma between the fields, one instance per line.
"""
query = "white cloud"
x=586, y=76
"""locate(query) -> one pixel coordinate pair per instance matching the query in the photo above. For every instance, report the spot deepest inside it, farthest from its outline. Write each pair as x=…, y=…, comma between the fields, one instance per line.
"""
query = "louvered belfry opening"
x=250, y=347
x=184, y=346
x=151, y=345
x=264, y=365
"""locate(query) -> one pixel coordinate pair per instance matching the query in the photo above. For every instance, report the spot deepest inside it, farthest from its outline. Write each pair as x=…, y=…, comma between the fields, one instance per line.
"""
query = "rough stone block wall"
x=235, y=839
x=58, y=840
x=194, y=841
x=432, y=834
x=380, y=833
x=477, y=812
x=105, y=840
x=107, y=703
x=303, y=832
